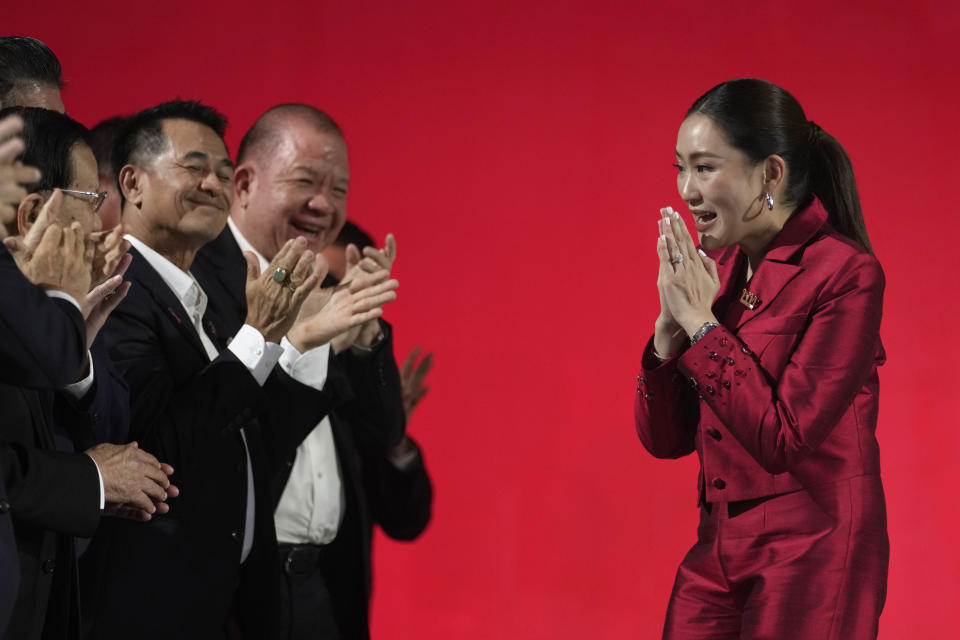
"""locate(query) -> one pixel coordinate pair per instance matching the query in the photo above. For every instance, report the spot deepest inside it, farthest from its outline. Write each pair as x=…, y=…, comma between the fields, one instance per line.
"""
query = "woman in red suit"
x=764, y=362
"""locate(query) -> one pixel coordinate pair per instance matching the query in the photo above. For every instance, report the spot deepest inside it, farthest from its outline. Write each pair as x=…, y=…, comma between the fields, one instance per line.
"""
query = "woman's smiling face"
x=720, y=184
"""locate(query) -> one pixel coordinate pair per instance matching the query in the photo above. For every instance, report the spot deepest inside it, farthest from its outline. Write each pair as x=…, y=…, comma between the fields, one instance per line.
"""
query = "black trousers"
x=306, y=611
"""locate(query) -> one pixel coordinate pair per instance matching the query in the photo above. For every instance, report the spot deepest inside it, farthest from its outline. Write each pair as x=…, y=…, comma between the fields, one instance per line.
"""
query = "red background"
x=520, y=152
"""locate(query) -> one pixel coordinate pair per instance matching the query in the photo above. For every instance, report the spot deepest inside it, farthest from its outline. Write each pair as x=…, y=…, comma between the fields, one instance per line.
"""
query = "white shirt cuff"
x=80, y=388
x=309, y=368
x=100, y=478
x=63, y=295
x=257, y=355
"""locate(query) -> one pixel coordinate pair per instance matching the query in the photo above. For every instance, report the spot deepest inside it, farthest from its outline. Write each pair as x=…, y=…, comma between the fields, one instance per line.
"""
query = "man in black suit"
x=398, y=489
x=206, y=394
x=292, y=180
x=53, y=493
x=26, y=353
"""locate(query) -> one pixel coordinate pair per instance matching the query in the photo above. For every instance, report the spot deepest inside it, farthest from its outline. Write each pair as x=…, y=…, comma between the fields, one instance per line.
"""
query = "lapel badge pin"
x=749, y=299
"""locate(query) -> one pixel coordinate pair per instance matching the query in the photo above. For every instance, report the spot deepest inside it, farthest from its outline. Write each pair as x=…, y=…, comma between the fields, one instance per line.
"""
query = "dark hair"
x=761, y=119
x=266, y=128
x=141, y=136
x=48, y=140
x=102, y=136
x=351, y=233
x=24, y=60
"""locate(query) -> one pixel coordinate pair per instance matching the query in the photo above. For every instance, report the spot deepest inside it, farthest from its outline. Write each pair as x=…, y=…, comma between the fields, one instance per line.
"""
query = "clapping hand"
x=336, y=314
x=110, y=248
x=52, y=256
x=412, y=375
x=360, y=268
x=135, y=484
x=275, y=296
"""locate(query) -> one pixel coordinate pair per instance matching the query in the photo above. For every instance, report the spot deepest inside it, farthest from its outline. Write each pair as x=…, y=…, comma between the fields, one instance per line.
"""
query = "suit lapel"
x=729, y=265
x=227, y=261
x=781, y=265
x=144, y=275
x=766, y=284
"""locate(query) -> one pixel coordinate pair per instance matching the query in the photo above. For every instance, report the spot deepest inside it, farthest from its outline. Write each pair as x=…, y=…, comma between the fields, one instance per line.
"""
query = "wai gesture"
x=687, y=282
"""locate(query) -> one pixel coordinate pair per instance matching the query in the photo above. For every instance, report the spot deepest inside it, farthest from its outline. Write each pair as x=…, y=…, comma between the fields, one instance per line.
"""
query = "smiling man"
x=292, y=179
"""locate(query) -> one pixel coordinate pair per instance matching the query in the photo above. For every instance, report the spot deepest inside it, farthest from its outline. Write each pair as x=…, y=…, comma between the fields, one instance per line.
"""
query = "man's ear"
x=243, y=184
x=28, y=211
x=774, y=174
x=131, y=183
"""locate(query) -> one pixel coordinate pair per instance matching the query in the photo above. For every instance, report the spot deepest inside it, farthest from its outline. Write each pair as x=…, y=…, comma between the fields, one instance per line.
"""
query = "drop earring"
x=769, y=202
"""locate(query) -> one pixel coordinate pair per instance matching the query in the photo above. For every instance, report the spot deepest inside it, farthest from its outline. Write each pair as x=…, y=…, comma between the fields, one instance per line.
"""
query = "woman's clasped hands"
x=687, y=282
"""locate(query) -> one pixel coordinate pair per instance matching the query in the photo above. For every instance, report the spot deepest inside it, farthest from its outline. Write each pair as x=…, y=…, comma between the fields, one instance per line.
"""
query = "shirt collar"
x=245, y=245
x=182, y=283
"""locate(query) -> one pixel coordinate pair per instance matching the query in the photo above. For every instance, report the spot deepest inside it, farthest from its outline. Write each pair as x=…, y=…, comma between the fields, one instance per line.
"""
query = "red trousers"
x=806, y=565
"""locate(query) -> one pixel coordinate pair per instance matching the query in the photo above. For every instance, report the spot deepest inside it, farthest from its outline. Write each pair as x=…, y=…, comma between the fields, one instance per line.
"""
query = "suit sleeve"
x=50, y=489
x=44, y=344
x=781, y=422
x=103, y=415
x=173, y=417
x=665, y=408
x=400, y=500
x=375, y=412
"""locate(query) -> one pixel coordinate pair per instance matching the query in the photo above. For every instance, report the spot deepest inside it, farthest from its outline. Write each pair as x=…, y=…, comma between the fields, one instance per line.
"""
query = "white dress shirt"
x=249, y=346
x=311, y=507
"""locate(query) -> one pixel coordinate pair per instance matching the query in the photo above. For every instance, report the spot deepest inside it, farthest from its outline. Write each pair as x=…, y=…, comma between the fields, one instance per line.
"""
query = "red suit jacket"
x=787, y=396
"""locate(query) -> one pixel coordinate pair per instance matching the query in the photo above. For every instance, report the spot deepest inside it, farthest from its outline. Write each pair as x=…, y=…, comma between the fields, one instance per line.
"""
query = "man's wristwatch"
x=373, y=344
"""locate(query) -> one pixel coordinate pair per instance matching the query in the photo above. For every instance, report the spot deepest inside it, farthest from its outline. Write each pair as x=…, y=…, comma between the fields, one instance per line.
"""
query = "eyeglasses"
x=97, y=198
x=94, y=198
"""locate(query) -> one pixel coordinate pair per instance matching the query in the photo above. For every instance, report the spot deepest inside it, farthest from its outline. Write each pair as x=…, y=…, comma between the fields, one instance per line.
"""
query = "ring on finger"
x=677, y=258
x=280, y=276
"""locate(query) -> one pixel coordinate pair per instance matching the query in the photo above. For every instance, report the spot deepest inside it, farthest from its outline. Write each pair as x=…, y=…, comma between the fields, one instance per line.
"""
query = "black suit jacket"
x=44, y=339
x=400, y=499
x=9, y=563
x=368, y=418
x=54, y=491
x=53, y=495
x=44, y=346
x=177, y=575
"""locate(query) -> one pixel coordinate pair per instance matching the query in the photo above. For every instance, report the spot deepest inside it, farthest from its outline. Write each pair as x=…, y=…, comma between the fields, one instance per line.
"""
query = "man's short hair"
x=102, y=136
x=265, y=130
x=352, y=234
x=23, y=61
x=48, y=140
x=141, y=136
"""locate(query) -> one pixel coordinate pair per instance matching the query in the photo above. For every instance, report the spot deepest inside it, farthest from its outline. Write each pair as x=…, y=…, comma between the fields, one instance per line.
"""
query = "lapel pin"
x=749, y=299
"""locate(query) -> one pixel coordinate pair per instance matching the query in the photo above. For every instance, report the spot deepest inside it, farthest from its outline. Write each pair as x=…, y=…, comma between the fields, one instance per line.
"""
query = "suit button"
x=4, y=506
x=718, y=483
x=714, y=433
x=48, y=566
x=236, y=535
